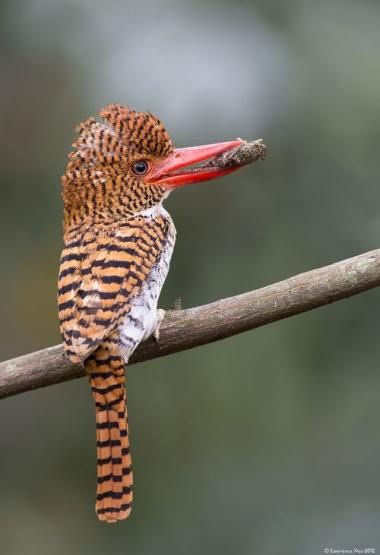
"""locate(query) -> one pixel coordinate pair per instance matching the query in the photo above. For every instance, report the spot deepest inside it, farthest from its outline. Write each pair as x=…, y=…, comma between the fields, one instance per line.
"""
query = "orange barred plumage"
x=118, y=241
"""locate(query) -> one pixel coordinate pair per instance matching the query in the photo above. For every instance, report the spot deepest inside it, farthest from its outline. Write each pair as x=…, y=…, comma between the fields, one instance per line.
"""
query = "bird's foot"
x=160, y=316
x=177, y=305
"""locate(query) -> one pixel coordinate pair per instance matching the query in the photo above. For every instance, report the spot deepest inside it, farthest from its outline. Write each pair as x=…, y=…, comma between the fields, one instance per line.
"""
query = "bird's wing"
x=99, y=273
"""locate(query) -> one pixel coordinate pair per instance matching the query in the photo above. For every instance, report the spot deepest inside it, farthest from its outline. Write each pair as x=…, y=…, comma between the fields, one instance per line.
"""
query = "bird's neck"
x=106, y=205
x=108, y=221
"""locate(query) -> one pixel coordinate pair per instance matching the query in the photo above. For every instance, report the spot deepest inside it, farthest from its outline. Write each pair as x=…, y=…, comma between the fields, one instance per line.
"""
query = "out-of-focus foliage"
x=267, y=442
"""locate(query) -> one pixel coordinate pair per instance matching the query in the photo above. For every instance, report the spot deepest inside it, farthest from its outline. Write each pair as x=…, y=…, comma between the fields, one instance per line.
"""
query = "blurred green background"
x=264, y=443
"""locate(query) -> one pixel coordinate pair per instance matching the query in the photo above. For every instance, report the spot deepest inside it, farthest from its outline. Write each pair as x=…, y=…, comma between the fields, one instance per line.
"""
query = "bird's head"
x=127, y=164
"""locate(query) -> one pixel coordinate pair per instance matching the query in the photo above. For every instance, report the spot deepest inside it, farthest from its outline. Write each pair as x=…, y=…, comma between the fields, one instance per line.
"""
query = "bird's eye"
x=140, y=168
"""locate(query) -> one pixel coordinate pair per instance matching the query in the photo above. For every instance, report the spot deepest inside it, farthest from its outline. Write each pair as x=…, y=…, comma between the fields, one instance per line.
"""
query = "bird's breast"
x=141, y=320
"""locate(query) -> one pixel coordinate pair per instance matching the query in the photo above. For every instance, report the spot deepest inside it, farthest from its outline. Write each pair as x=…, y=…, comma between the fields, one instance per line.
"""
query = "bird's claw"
x=160, y=316
x=177, y=305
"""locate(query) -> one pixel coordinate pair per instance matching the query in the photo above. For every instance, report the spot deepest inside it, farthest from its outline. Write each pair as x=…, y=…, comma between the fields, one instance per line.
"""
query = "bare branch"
x=184, y=329
x=246, y=153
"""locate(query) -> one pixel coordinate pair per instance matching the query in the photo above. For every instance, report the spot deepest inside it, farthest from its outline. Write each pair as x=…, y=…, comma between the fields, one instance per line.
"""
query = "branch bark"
x=184, y=329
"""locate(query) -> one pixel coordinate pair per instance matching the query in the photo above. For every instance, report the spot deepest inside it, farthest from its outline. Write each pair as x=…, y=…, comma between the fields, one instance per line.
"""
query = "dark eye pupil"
x=140, y=167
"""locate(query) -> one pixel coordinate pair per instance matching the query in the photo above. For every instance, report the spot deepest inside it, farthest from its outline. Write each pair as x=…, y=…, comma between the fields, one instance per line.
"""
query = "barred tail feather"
x=115, y=480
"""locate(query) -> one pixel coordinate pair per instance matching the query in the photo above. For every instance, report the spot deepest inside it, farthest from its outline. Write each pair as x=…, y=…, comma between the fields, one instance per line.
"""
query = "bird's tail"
x=114, y=490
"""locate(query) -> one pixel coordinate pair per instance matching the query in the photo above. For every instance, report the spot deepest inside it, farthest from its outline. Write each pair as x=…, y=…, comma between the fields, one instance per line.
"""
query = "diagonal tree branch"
x=184, y=329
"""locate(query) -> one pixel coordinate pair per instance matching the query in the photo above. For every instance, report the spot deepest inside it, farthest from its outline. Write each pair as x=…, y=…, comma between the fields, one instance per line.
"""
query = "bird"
x=118, y=240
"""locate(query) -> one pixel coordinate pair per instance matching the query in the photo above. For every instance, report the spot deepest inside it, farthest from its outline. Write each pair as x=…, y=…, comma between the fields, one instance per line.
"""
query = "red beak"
x=176, y=169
